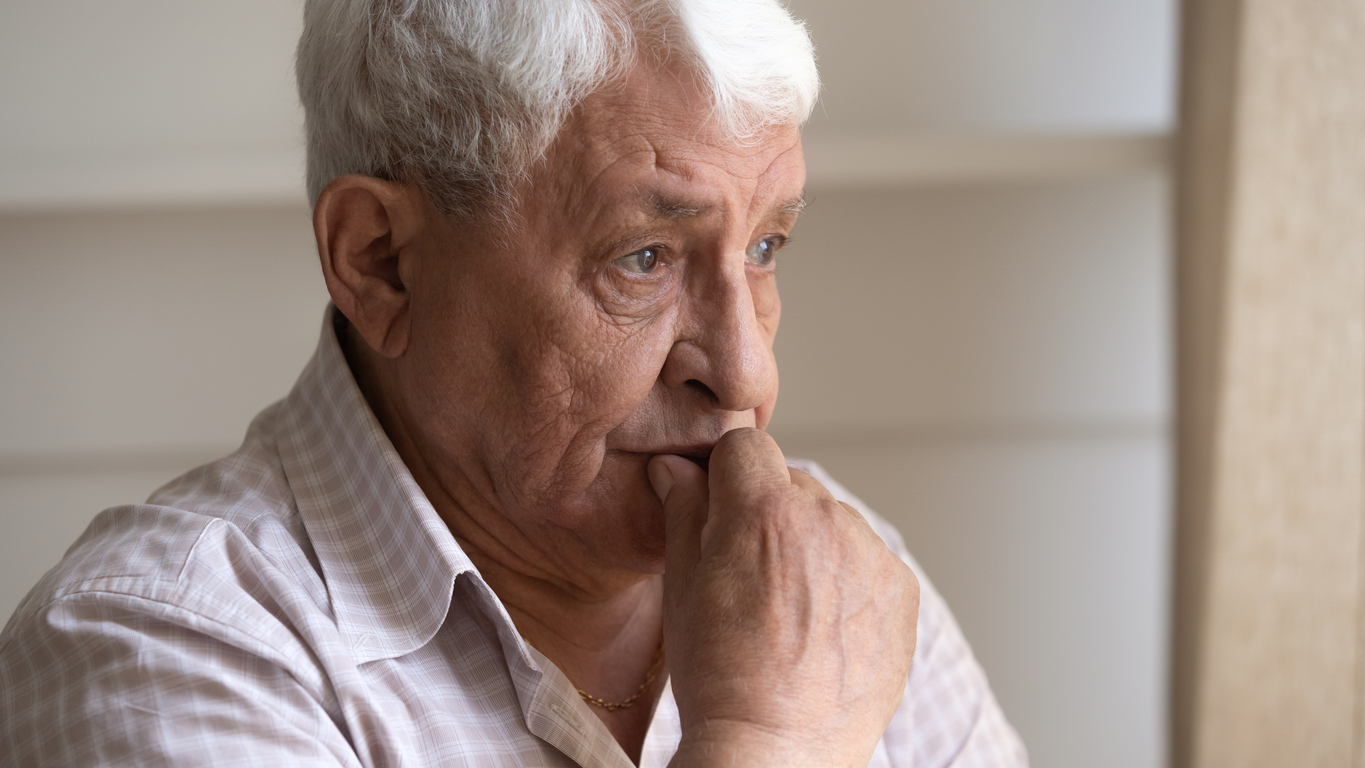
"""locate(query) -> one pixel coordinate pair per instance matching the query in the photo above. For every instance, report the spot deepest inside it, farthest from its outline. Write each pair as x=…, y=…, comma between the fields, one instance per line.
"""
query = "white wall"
x=955, y=66
x=975, y=308
x=135, y=346
x=987, y=367
x=148, y=101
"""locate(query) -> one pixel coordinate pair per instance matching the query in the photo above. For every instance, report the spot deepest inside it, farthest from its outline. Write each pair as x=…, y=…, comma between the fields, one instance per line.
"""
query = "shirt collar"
x=388, y=559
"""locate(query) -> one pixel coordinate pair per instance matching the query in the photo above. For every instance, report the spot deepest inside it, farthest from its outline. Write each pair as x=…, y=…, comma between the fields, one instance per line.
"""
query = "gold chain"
x=612, y=706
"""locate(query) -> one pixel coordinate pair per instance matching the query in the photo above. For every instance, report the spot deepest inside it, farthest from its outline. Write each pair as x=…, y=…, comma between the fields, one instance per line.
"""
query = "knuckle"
x=830, y=509
x=809, y=485
x=772, y=507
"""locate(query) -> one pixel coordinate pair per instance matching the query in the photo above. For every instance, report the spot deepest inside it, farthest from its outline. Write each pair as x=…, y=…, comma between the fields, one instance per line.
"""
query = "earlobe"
x=363, y=227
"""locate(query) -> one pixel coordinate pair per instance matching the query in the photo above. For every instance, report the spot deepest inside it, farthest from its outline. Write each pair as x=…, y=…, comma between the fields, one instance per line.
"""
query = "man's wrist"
x=729, y=744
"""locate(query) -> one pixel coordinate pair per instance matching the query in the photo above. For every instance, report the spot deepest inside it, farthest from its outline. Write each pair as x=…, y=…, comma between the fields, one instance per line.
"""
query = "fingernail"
x=661, y=478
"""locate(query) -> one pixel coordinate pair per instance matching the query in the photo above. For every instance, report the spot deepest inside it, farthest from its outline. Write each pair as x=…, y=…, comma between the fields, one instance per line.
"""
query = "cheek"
x=627, y=366
x=528, y=370
x=767, y=306
x=622, y=505
x=764, y=413
x=768, y=312
x=560, y=459
x=576, y=382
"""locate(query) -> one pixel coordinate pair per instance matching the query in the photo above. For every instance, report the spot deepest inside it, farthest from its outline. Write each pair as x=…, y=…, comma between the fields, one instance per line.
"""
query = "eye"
x=641, y=262
x=763, y=252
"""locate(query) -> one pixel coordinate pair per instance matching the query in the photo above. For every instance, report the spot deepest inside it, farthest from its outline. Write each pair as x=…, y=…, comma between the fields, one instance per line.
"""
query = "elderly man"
x=519, y=508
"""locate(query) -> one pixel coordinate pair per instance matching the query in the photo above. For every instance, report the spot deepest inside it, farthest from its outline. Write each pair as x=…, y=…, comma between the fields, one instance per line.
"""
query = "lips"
x=698, y=453
x=701, y=458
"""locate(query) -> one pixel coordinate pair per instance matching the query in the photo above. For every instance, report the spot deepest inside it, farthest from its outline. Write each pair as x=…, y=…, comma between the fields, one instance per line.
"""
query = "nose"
x=723, y=350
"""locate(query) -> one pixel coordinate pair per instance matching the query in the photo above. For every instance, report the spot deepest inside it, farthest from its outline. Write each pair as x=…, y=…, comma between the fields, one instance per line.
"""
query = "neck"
x=605, y=644
x=554, y=615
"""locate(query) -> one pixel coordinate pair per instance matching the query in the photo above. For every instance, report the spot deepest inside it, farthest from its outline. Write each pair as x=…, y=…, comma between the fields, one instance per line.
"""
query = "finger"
x=745, y=464
x=682, y=489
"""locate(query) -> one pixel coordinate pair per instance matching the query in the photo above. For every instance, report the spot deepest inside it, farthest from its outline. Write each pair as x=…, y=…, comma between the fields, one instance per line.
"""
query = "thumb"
x=682, y=487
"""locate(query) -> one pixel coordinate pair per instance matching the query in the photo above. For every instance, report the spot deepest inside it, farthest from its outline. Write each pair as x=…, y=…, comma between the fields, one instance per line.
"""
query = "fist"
x=789, y=625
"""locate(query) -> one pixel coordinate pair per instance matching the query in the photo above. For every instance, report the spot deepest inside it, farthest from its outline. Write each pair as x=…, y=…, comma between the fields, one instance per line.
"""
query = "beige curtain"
x=1269, y=669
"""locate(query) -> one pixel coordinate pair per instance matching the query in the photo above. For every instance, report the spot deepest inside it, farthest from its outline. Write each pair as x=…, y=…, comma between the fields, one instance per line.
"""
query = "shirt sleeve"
x=100, y=678
x=948, y=717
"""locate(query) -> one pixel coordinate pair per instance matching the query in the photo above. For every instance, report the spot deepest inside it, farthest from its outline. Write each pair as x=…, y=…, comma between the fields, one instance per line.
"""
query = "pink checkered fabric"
x=300, y=603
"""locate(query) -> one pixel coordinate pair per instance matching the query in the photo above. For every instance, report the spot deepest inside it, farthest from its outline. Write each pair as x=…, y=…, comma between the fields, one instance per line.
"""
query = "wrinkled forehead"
x=649, y=142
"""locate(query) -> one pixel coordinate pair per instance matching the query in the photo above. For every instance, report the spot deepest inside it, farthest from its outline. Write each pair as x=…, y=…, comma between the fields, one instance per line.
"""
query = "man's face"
x=629, y=311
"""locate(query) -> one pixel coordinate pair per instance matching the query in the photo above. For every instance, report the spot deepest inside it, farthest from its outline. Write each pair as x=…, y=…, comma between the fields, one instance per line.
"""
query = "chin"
x=627, y=526
x=649, y=546
x=648, y=528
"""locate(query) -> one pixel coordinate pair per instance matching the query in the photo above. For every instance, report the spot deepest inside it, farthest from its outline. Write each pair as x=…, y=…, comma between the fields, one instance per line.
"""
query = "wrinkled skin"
x=529, y=375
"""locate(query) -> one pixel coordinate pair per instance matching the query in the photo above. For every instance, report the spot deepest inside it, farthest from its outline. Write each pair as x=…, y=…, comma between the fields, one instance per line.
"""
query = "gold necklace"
x=612, y=706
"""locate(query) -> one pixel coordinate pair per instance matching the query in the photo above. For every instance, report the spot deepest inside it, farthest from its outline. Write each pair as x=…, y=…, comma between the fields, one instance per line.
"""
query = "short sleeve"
x=108, y=679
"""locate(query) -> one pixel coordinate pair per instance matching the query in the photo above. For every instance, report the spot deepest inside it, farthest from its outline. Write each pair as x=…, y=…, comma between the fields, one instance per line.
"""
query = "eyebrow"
x=793, y=206
x=671, y=208
x=665, y=207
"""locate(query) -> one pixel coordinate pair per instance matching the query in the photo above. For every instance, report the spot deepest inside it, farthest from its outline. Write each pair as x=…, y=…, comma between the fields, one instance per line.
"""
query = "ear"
x=365, y=228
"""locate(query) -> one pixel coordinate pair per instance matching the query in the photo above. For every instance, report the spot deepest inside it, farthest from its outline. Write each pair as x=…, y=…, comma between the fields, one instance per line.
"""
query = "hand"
x=789, y=625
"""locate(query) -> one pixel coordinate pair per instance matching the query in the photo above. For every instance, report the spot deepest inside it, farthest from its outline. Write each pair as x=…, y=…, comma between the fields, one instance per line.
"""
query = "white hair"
x=460, y=97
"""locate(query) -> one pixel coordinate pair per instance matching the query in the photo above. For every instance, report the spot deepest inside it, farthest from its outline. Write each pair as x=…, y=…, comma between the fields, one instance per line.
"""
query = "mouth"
x=701, y=458
x=697, y=453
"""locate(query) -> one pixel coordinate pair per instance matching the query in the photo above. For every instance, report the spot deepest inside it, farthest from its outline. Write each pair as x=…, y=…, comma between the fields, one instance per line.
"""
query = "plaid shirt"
x=300, y=603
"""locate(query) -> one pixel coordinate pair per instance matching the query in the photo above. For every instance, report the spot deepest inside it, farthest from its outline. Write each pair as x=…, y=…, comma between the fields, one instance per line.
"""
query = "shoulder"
x=160, y=615
x=243, y=487
x=221, y=544
x=165, y=556
x=209, y=587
